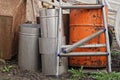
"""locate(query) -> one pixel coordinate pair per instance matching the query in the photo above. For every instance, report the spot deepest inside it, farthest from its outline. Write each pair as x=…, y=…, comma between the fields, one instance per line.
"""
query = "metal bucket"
x=49, y=22
x=48, y=42
x=28, y=47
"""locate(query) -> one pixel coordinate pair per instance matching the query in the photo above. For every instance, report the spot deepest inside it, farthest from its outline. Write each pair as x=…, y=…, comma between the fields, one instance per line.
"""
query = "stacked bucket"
x=48, y=43
x=47, y=35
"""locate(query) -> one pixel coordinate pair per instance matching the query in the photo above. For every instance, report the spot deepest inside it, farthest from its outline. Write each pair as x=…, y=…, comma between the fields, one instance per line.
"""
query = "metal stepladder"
x=64, y=50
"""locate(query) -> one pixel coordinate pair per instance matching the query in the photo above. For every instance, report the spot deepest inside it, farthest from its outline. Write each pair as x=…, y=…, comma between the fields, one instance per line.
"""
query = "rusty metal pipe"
x=86, y=46
x=83, y=54
x=82, y=6
x=107, y=37
x=79, y=43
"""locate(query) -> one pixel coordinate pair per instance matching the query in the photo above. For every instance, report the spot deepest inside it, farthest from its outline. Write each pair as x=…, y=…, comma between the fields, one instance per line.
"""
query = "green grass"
x=6, y=68
x=105, y=76
x=78, y=74
x=114, y=54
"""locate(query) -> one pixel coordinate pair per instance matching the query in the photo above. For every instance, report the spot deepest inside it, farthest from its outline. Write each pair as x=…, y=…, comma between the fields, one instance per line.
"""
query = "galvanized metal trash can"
x=48, y=43
x=28, y=47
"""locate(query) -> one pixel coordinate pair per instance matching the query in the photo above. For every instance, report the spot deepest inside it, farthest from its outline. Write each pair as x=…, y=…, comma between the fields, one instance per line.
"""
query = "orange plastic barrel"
x=83, y=23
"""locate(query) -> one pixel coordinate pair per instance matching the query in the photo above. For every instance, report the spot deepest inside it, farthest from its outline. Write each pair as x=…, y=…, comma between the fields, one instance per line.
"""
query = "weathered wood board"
x=12, y=14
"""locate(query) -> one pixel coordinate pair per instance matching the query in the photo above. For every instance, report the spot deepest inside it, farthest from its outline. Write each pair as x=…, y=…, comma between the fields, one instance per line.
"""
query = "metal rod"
x=107, y=37
x=83, y=54
x=82, y=6
x=59, y=37
x=107, y=3
x=86, y=46
x=75, y=45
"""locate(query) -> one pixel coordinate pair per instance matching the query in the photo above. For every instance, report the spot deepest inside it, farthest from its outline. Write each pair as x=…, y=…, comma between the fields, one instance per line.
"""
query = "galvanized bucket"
x=28, y=47
x=49, y=22
x=48, y=42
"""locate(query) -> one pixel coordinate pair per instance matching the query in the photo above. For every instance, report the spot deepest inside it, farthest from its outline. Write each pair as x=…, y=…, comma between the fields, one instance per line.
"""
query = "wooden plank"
x=10, y=20
x=5, y=36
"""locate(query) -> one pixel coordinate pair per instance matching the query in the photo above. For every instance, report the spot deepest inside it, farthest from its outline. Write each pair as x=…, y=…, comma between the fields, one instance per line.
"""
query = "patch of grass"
x=77, y=74
x=6, y=68
x=105, y=76
x=114, y=54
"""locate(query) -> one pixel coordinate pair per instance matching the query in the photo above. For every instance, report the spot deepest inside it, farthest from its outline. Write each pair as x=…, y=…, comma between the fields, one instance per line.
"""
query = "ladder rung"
x=86, y=46
x=82, y=6
x=83, y=54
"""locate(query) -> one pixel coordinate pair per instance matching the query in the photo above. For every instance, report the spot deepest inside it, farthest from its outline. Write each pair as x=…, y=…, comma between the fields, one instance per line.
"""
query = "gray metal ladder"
x=64, y=50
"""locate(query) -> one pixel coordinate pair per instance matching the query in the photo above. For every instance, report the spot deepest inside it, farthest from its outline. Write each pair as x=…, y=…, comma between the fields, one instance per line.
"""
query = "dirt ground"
x=16, y=74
